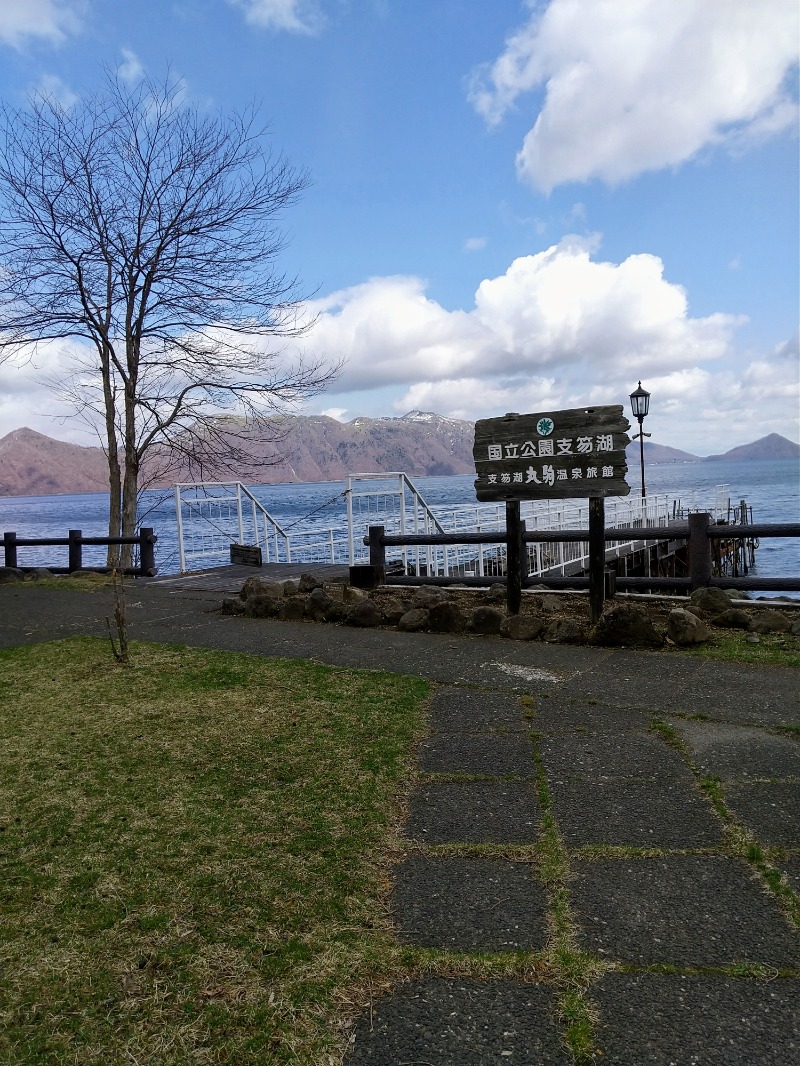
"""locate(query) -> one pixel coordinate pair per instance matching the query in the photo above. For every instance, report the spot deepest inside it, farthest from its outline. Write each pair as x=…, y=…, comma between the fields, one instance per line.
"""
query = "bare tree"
x=146, y=231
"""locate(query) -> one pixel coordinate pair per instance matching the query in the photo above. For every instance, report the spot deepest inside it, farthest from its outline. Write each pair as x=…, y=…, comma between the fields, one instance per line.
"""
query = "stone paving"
x=602, y=848
x=684, y=953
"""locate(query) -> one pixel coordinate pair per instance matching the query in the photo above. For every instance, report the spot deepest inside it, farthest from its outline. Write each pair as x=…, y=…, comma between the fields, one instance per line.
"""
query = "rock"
x=290, y=588
x=496, y=593
x=292, y=609
x=770, y=622
x=393, y=611
x=414, y=621
x=10, y=575
x=39, y=573
x=711, y=601
x=261, y=586
x=445, y=617
x=231, y=607
x=262, y=606
x=427, y=595
x=685, y=628
x=551, y=604
x=794, y=629
x=353, y=595
x=318, y=603
x=486, y=620
x=733, y=618
x=563, y=630
x=753, y=638
x=309, y=582
x=521, y=627
x=365, y=614
x=625, y=625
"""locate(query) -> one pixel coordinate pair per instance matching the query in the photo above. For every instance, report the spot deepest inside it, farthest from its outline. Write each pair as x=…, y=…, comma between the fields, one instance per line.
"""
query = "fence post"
x=597, y=556
x=75, y=561
x=699, y=549
x=377, y=551
x=514, y=556
x=147, y=552
x=10, y=546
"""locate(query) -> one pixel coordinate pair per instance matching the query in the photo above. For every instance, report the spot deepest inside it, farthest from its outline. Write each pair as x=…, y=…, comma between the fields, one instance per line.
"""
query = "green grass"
x=194, y=852
x=773, y=649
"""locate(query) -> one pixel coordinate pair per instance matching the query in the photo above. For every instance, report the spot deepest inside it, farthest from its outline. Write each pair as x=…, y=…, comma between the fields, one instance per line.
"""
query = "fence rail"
x=698, y=533
x=145, y=539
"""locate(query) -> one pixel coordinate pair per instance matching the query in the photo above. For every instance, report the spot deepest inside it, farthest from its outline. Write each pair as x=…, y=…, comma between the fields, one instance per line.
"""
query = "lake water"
x=770, y=487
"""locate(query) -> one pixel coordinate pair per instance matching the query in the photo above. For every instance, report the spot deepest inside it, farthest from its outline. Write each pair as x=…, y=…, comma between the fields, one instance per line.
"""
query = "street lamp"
x=640, y=404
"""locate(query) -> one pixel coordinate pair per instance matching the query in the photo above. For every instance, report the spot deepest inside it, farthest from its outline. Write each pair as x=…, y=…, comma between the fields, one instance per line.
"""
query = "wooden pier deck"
x=230, y=577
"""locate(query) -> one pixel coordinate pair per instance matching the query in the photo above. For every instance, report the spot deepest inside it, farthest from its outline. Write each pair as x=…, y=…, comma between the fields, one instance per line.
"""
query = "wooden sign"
x=246, y=554
x=552, y=455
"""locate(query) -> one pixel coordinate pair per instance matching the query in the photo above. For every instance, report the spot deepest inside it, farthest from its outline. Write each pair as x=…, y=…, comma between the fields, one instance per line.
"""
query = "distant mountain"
x=658, y=453
x=311, y=448
x=773, y=446
x=32, y=464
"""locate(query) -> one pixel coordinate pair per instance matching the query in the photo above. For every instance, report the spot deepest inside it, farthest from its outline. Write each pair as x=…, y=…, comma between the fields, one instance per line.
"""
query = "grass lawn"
x=193, y=852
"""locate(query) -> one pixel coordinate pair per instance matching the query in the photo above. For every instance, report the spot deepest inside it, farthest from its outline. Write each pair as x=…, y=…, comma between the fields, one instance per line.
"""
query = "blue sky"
x=516, y=205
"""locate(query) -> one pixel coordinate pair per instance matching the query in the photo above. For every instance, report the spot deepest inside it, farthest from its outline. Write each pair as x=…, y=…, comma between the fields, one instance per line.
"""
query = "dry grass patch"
x=192, y=852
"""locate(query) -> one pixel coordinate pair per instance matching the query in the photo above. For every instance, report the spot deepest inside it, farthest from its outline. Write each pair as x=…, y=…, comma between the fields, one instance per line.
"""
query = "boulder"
x=290, y=588
x=794, y=629
x=733, y=618
x=521, y=627
x=39, y=573
x=770, y=622
x=625, y=625
x=685, y=628
x=231, y=607
x=10, y=575
x=564, y=630
x=262, y=606
x=496, y=593
x=551, y=604
x=318, y=603
x=353, y=595
x=393, y=611
x=486, y=620
x=414, y=621
x=711, y=601
x=292, y=609
x=261, y=586
x=427, y=595
x=309, y=582
x=445, y=617
x=365, y=614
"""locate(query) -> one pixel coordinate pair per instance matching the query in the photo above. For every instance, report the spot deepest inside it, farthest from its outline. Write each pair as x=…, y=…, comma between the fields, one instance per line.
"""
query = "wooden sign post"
x=553, y=455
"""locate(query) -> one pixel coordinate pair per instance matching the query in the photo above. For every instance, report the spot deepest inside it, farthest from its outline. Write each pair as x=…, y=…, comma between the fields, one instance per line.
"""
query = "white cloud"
x=335, y=412
x=637, y=85
x=474, y=244
x=52, y=87
x=560, y=307
x=130, y=69
x=53, y=20
x=293, y=16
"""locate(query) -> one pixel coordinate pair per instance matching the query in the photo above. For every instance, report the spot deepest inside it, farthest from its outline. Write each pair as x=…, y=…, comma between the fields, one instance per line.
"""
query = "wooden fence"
x=75, y=541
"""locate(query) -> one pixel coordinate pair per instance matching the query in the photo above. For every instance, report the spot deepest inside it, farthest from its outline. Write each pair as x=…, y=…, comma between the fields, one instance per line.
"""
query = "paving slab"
x=603, y=755
x=665, y=813
x=474, y=812
x=791, y=867
x=770, y=809
x=478, y=753
x=460, y=1023
x=463, y=710
x=673, y=1020
x=553, y=714
x=683, y=910
x=469, y=905
x=737, y=751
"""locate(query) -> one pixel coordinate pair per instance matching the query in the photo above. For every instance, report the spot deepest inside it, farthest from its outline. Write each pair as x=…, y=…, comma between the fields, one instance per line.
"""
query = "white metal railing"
x=212, y=516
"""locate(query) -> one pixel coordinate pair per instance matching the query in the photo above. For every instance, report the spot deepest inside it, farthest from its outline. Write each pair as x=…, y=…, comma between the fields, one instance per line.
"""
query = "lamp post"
x=640, y=404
